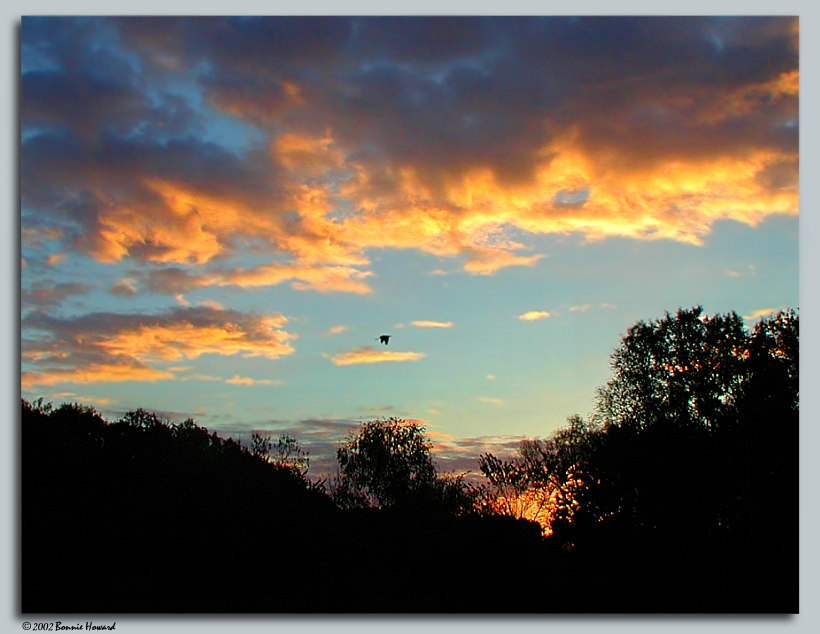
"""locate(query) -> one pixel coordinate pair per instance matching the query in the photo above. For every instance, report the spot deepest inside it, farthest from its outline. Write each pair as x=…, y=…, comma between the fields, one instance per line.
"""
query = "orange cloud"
x=580, y=184
x=186, y=340
x=96, y=373
x=761, y=312
x=367, y=354
x=111, y=347
x=631, y=151
x=309, y=156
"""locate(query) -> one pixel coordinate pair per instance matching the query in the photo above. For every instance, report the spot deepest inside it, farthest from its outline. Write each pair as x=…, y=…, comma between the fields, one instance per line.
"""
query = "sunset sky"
x=221, y=216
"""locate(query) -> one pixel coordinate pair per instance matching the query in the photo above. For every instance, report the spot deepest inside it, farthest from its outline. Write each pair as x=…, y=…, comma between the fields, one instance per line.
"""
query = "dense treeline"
x=139, y=515
x=679, y=494
x=687, y=470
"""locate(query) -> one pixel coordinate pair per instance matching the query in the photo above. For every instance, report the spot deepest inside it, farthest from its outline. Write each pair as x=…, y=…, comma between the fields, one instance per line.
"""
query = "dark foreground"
x=147, y=518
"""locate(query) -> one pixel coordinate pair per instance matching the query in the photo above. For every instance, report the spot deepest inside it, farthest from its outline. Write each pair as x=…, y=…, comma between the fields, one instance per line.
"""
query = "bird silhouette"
x=383, y=339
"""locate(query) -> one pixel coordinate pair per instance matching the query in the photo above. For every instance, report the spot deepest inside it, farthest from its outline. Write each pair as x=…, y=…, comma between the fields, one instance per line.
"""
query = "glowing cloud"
x=533, y=315
x=631, y=151
x=96, y=373
x=432, y=324
x=761, y=312
x=115, y=347
x=367, y=354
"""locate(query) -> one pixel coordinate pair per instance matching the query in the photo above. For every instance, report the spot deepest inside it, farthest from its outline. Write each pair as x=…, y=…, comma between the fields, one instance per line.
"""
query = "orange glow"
x=95, y=373
x=309, y=156
x=367, y=354
x=185, y=340
x=471, y=214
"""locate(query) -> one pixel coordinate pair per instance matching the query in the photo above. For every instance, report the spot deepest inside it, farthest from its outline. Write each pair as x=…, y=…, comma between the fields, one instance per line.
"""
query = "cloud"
x=336, y=330
x=177, y=280
x=242, y=380
x=174, y=280
x=582, y=308
x=488, y=399
x=50, y=297
x=133, y=347
x=318, y=278
x=377, y=408
x=533, y=315
x=460, y=455
x=460, y=137
x=760, y=312
x=367, y=354
x=124, y=288
x=200, y=377
x=115, y=372
x=432, y=324
x=488, y=262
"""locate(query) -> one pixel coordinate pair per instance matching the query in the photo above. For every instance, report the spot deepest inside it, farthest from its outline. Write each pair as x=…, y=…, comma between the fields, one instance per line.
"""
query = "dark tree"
x=285, y=453
x=684, y=370
x=688, y=470
x=387, y=464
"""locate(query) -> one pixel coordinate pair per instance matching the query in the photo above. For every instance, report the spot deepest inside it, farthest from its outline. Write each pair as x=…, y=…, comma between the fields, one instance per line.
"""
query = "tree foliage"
x=285, y=452
x=695, y=434
x=387, y=464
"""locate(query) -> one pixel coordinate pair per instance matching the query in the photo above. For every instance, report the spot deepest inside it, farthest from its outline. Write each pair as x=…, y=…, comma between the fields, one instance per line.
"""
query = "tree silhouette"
x=387, y=464
x=285, y=453
x=684, y=370
x=691, y=455
x=384, y=463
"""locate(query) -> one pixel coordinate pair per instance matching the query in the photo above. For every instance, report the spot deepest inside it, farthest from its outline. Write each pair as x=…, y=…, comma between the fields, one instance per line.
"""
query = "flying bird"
x=383, y=339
